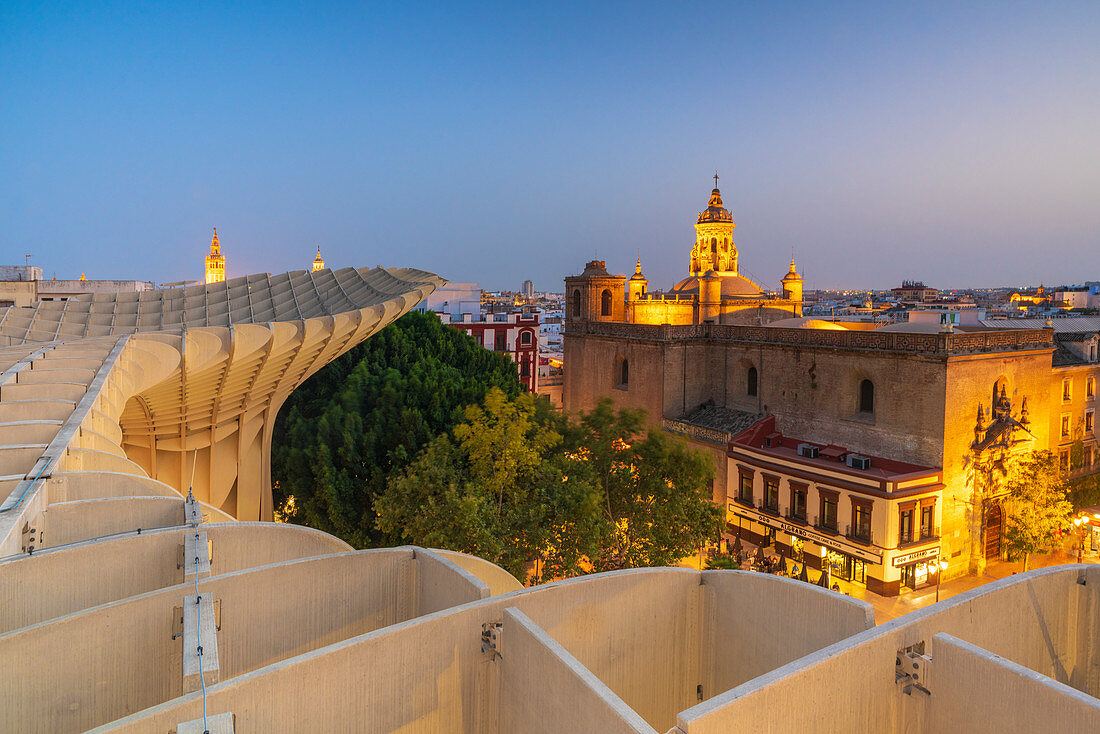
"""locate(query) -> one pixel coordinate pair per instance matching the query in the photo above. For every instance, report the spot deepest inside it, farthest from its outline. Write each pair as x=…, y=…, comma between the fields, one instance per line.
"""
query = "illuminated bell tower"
x=318, y=262
x=636, y=286
x=215, y=261
x=714, y=248
x=635, y=289
x=792, y=287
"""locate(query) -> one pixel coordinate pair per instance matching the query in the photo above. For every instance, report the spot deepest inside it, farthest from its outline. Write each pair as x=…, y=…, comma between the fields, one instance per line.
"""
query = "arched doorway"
x=994, y=520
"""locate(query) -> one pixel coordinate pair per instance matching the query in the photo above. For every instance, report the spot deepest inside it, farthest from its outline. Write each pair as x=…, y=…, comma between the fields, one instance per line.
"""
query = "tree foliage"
x=340, y=436
x=516, y=484
x=1037, y=510
x=495, y=488
x=656, y=505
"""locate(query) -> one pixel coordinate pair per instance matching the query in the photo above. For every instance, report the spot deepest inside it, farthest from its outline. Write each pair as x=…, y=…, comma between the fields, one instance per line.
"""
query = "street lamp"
x=941, y=566
x=1079, y=524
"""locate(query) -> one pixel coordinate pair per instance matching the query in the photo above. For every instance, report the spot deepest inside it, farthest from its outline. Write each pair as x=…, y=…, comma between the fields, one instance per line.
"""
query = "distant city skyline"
x=955, y=145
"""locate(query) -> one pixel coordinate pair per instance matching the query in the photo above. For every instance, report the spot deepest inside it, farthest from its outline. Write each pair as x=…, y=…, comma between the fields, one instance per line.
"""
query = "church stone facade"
x=869, y=448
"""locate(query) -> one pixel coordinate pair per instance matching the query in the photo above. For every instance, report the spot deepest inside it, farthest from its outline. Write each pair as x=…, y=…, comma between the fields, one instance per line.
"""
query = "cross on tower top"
x=716, y=179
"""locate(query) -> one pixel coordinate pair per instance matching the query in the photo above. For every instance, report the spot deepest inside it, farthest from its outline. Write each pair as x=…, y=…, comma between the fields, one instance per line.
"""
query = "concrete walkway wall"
x=639, y=629
x=976, y=690
x=243, y=545
x=425, y=676
x=641, y=640
x=499, y=580
x=54, y=583
x=87, y=485
x=1040, y=621
x=79, y=671
x=755, y=623
x=267, y=614
x=441, y=584
x=79, y=459
x=59, y=581
x=73, y=522
x=545, y=690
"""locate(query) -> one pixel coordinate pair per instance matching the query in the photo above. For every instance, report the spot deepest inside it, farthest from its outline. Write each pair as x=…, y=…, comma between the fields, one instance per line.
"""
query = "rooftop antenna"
x=27, y=259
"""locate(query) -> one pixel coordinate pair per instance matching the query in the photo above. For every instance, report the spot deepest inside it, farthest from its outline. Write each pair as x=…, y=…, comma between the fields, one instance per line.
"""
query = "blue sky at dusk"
x=956, y=143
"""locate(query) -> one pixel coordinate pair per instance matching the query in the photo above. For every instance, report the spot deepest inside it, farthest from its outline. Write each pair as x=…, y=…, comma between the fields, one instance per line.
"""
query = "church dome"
x=792, y=274
x=734, y=286
x=715, y=212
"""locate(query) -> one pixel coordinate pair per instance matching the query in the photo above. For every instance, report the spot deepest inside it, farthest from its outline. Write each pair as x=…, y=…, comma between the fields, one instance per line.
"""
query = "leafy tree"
x=1037, y=510
x=1084, y=491
x=656, y=493
x=517, y=484
x=368, y=414
x=496, y=489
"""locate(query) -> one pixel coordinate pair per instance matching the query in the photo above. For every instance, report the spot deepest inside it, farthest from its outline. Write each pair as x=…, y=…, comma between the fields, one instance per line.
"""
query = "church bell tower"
x=714, y=248
x=215, y=261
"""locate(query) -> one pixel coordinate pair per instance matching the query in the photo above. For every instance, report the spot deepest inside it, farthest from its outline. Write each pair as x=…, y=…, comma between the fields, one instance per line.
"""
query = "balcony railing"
x=917, y=539
x=859, y=535
x=773, y=511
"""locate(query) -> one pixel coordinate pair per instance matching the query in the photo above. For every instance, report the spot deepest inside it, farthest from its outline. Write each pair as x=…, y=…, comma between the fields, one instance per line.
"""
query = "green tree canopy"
x=1037, y=510
x=496, y=489
x=656, y=506
x=339, y=436
x=516, y=484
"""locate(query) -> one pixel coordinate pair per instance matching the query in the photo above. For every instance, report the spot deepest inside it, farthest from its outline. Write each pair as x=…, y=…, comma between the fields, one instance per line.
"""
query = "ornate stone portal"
x=994, y=444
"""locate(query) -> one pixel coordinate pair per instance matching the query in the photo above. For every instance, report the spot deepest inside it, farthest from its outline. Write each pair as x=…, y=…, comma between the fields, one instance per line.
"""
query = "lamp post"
x=941, y=566
x=1079, y=524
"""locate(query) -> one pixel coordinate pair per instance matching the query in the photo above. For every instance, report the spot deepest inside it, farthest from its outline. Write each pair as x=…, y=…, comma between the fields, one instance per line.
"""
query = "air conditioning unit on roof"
x=859, y=462
x=808, y=450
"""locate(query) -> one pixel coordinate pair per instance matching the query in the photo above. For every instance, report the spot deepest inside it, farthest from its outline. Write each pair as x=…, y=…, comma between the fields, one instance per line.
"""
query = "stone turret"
x=979, y=425
x=710, y=296
x=635, y=289
x=792, y=287
x=595, y=294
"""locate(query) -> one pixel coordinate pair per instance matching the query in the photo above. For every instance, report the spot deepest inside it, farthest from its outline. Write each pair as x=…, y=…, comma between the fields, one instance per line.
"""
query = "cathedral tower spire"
x=215, y=261
x=714, y=248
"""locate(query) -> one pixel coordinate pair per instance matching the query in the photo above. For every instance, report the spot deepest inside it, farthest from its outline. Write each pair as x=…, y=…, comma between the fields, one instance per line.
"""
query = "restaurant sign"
x=805, y=533
x=925, y=554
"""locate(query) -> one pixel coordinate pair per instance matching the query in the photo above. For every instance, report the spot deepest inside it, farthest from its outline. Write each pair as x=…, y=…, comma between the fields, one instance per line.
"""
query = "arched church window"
x=605, y=303
x=866, y=397
x=751, y=382
x=576, y=303
x=525, y=338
